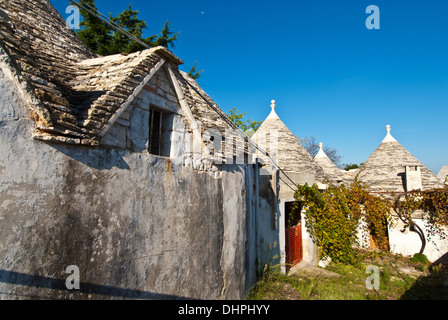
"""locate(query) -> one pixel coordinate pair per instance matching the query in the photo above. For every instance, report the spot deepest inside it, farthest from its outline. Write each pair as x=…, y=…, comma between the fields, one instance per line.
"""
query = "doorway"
x=293, y=233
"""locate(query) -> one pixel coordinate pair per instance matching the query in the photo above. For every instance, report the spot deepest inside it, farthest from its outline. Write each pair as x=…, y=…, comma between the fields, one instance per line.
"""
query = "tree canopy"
x=350, y=166
x=194, y=73
x=101, y=38
x=311, y=145
x=247, y=125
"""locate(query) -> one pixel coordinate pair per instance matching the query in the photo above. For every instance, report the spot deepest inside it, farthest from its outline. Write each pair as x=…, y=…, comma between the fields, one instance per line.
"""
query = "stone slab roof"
x=73, y=94
x=41, y=52
x=210, y=117
x=292, y=156
x=334, y=174
x=443, y=173
x=384, y=170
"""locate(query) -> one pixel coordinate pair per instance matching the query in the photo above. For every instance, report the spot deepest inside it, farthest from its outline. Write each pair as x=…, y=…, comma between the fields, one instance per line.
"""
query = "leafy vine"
x=335, y=216
x=432, y=203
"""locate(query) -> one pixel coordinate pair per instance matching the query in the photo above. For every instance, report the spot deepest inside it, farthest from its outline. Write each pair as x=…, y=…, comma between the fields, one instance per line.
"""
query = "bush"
x=420, y=261
x=333, y=218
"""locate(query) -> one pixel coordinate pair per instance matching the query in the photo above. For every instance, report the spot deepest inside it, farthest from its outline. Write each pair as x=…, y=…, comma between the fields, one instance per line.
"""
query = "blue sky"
x=332, y=78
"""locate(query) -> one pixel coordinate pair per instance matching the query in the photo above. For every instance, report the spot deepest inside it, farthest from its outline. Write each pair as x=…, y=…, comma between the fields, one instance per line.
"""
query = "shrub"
x=333, y=217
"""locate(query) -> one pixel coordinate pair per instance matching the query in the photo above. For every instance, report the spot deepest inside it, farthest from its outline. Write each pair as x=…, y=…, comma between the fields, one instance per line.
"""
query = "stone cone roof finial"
x=272, y=114
x=321, y=153
x=389, y=137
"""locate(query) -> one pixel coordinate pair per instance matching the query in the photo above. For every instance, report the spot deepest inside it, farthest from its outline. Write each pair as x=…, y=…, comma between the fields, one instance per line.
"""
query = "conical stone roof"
x=443, y=173
x=290, y=155
x=385, y=169
x=334, y=174
x=322, y=159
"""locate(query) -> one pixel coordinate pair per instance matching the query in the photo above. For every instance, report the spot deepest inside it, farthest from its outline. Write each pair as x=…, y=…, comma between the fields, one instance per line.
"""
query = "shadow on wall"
x=97, y=158
x=402, y=175
x=443, y=260
x=434, y=286
x=34, y=281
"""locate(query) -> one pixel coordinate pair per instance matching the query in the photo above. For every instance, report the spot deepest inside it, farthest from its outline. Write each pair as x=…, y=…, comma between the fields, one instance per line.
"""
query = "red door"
x=293, y=245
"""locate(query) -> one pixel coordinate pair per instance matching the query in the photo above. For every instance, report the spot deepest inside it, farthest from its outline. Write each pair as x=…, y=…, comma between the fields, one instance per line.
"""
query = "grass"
x=399, y=279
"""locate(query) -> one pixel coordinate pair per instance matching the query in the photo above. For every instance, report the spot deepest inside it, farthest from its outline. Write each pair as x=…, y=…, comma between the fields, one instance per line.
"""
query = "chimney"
x=413, y=178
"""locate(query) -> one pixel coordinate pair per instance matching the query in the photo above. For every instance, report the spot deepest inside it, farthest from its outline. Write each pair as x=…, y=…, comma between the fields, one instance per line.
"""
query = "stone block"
x=115, y=137
x=139, y=129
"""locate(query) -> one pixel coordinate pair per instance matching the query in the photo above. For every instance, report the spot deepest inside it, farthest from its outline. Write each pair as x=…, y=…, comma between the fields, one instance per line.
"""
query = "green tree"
x=350, y=166
x=194, y=73
x=101, y=38
x=95, y=33
x=128, y=20
x=247, y=125
x=167, y=37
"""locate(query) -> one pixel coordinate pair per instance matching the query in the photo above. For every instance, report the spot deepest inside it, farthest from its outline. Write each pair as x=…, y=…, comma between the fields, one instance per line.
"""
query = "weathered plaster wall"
x=135, y=224
x=268, y=222
x=407, y=243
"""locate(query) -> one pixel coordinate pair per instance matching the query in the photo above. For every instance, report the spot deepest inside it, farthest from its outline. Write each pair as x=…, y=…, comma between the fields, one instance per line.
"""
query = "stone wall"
x=136, y=225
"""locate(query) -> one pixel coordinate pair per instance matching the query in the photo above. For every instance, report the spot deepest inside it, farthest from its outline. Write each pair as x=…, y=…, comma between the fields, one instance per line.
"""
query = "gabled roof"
x=74, y=95
x=203, y=108
x=384, y=170
x=41, y=53
x=292, y=156
x=100, y=88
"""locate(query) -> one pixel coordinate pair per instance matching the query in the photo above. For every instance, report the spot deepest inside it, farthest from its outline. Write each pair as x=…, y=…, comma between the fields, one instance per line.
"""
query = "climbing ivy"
x=432, y=203
x=334, y=217
x=435, y=203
